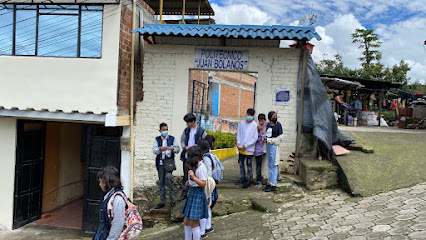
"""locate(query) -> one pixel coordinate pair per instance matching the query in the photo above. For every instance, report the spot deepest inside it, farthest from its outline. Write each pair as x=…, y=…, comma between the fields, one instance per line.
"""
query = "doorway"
x=55, y=173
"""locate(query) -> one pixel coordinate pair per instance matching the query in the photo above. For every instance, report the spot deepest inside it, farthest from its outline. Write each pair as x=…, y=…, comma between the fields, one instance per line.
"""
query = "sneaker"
x=258, y=184
x=209, y=230
x=265, y=189
x=241, y=181
x=246, y=184
x=204, y=236
x=271, y=189
x=160, y=205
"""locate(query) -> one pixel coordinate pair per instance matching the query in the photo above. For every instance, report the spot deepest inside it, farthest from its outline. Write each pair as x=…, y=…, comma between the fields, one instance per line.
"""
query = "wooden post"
x=132, y=80
x=199, y=10
x=346, y=109
x=183, y=11
x=299, y=124
x=161, y=11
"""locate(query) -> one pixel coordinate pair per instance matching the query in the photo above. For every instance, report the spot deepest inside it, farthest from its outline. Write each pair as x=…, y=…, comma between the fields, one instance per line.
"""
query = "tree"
x=398, y=73
x=335, y=67
x=369, y=41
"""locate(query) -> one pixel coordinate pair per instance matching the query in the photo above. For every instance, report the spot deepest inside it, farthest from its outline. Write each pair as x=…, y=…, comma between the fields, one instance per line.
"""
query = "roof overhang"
x=175, y=7
x=336, y=83
x=369, y=84
x=224, y=35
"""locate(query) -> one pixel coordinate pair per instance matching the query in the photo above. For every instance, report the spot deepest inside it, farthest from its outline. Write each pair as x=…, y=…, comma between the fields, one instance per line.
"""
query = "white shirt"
x=247, y=135
x=191, y=140
x=200, y=173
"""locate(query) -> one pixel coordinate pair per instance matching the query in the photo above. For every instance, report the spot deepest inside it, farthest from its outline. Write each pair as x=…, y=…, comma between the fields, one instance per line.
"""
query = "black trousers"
x=185, y=178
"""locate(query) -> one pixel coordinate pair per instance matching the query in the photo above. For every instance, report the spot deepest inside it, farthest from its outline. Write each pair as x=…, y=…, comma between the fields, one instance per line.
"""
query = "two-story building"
x=64, y=104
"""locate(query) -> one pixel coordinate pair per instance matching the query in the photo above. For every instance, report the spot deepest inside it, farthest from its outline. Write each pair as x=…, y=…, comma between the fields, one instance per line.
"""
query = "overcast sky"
x=401, y=25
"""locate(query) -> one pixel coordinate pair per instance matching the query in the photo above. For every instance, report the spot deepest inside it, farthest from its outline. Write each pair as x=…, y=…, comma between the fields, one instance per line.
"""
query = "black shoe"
x=266, y=188
x=182, y=197
x=160, y=205
x=204, y=235
x=271, y=189
x=209, y=230
x=241, y=181
x=245, y=185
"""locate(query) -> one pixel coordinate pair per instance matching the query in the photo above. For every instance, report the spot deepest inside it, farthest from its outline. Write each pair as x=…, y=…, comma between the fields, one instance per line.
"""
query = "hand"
x=187, y=183
x=186, y=148
x=163, y=149
x=191, y=173
x=259, y=128
x=243, y=147
x=169, y=148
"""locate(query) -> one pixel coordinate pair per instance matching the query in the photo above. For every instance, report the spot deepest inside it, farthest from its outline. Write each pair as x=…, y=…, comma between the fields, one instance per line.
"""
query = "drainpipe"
x=300, y=118
x=183, y=12
x=161, y=11
x=131, y=108
x=199, y=10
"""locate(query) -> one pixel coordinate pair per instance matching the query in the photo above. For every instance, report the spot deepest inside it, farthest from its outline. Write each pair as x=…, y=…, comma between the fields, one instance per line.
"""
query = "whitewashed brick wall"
x=166, y=85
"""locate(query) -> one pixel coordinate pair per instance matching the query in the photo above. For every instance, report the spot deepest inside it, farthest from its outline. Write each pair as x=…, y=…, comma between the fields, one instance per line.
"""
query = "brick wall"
x=247, y=98
x=166, y=96
x=229, y=101
x=125, y=47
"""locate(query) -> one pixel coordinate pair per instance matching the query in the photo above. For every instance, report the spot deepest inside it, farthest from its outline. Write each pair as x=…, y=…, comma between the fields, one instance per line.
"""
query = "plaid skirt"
x=195, y=207
x=214, y=196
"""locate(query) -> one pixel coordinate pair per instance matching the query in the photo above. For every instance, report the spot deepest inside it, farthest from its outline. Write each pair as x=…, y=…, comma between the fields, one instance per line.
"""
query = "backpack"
x=217, y=172
x=132, y=222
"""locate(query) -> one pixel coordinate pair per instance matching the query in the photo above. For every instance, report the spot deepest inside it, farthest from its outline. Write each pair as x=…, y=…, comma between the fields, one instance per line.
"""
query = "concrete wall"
x=63, y=179
x=166, y=98
x=7, y=170
x=68, y=84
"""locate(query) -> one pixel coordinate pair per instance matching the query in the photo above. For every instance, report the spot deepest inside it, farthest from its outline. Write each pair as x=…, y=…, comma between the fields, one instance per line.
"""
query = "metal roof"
x=175, y=7
x=275, y=32
x=337, y=83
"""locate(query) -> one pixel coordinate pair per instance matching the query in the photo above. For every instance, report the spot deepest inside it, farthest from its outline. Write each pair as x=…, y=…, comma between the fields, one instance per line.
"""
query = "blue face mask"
x=164, y=133
x=249, y=118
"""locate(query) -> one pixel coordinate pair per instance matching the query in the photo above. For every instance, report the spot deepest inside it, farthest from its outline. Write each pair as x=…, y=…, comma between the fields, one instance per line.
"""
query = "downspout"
x=131, y=108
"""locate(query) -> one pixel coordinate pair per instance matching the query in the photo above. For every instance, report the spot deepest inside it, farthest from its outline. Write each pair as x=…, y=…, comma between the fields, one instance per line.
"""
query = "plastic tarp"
x=318, y=115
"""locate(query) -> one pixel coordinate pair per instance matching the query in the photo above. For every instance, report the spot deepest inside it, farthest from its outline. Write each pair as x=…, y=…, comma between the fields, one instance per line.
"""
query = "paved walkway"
x=329, y=214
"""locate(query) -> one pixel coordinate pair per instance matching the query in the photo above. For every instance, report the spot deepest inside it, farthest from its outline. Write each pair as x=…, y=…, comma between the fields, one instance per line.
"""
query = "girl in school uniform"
x=195, y=207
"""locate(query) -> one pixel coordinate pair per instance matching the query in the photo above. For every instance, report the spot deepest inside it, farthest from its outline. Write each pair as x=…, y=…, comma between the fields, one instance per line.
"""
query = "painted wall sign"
x=221, y=59
x=282, y=96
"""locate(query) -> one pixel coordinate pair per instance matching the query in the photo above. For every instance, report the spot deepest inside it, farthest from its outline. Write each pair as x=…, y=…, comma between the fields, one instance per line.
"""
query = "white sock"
x=188, y=233
x=209, y=219
x=203, y=226
x=196, y=235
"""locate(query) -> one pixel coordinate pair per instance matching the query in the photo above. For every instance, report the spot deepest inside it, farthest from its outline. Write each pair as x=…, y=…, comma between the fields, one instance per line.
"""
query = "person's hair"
x=204, y=146
x=270, y=114
x=261, y=117
x=250, y=112
x=194, y=156
x=189, y=117
x=211, y=139
x=111, y=177
x=163, y=125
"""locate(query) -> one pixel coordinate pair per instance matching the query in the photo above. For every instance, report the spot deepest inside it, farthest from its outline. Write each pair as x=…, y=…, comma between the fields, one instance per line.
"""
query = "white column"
x=125, y=164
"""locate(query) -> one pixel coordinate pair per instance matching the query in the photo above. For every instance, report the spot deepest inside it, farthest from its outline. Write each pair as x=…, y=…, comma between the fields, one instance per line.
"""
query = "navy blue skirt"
x=195, y=207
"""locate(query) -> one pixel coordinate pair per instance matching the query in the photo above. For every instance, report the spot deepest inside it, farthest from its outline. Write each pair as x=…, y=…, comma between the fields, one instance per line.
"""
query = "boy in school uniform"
x=259, y=151
x=189, y=138
x=165, y=147
x=246, y=139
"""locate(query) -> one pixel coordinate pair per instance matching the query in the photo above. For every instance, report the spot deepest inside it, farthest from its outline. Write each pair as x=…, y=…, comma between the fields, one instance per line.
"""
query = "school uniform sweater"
x=247, y=136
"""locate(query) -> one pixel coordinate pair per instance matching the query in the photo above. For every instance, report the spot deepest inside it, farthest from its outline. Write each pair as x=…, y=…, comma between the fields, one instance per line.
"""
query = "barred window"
x=51, y=30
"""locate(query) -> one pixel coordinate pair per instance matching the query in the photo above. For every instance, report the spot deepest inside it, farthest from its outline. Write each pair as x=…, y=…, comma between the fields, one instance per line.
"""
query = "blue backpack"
x=217, y=172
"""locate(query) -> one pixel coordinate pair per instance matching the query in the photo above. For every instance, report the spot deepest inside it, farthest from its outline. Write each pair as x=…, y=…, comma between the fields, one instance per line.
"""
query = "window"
x=51, y=30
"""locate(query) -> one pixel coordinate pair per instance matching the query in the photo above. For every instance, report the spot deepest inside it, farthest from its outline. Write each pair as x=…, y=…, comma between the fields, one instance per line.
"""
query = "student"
x=259, y=151
x=165, y=147
x=190, y=136
x=273, y=134
x=109, y=182
x=195, y=207
x=204, y=145
x=246, y=139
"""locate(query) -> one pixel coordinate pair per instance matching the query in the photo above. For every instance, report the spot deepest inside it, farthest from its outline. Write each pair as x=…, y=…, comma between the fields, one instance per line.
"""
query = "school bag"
x=133, y=220
x=217, y=172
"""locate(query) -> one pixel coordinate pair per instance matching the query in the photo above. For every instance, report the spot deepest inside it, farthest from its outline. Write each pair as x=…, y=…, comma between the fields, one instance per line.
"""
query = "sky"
x=401, y=25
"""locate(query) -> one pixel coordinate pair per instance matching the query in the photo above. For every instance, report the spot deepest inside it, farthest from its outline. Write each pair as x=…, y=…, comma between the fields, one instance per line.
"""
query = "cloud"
x=241, y=14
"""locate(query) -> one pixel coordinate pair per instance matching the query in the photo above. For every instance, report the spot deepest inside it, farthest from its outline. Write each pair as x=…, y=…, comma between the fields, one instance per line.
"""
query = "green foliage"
x=223, y=140
x=369, y=41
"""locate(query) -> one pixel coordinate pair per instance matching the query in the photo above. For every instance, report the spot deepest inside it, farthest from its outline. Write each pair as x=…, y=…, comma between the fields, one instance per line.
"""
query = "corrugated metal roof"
x=275, y=32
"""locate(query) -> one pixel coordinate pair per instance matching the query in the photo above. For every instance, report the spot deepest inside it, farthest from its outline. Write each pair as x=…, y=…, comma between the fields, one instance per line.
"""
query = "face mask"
x=249, y=118
x=274, y=120
x=164, y=133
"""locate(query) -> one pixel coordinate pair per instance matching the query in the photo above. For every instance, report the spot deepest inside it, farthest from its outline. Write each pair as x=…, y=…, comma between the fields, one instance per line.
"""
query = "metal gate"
x=197, y=97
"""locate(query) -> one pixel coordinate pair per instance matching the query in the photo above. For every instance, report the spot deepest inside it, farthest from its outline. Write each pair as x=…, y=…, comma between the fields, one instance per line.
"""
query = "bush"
x=223, y=140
